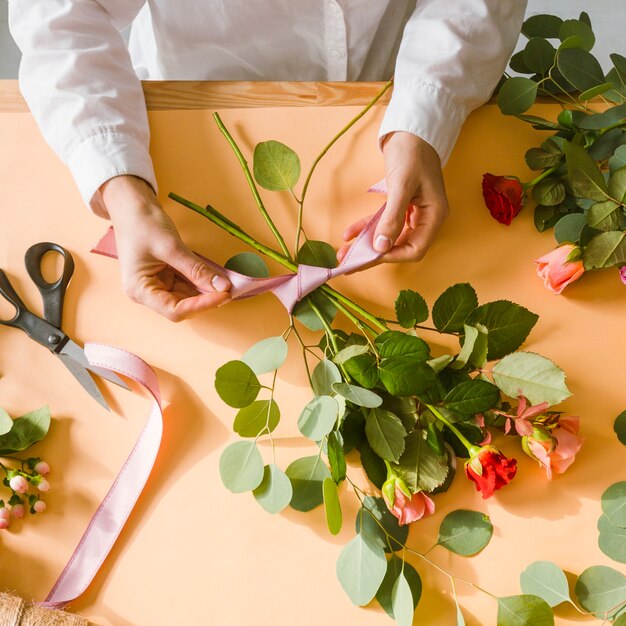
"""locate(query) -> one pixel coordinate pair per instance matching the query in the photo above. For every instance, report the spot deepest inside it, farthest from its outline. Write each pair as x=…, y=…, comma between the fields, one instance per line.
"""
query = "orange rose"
x=556, y=271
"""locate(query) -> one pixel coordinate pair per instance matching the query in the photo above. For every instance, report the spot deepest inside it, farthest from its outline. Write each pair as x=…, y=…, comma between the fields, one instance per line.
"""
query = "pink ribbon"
x=288, y=288
x=108, y=521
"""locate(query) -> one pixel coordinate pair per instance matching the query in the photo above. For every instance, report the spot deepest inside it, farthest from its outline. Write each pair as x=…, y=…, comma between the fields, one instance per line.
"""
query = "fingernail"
x=382, y=243
x=220, y=283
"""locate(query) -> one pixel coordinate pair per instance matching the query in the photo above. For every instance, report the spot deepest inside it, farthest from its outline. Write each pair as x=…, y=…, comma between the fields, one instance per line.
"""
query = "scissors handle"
x=52, y=294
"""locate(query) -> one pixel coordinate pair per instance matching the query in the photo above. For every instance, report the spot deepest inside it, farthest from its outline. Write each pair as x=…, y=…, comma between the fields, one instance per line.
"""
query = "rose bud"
x=43, y=485
x=39, y=506
x=490, y=470
x=19, y=484
x=411, y=509
x=622, y=274
x=18, y=511
x=42, y=468
x=504, y=197
x=556, y=271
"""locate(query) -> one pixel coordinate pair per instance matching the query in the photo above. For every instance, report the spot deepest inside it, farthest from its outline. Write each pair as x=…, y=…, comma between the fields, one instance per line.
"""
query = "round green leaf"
x=517, y=95
x=411, y=308
x=605, y=250
x=580, y=68
x=6, y=423
x=614, y=504
x=324, y=376
x=526, y=610
x=620, y=427
x=539, y=55
x=453, y=307
x=620, y=621
x=305, y=314
x=385, y=433
x=612, y=540
x=546, y=580
x=549, y=191
x=26, y=430
x=361, y=568
x=465, y=532
x=266, y=355
x=351, y=351
x=358, y=395
x=237, y=384
x=364, y=369
x=274, y=493
x=532, y=376
x=275, y=166
x=547, y=26
x=241, y=467
x=317, y=253
x=605, y=216
x=306, y=476
x=318, y=417
x=569, y=227
x=332, y=507
x=367, y=525
x=394, y=568
x=260, y=416
x=248, y=264
x=600, y=590
x=576, y=28
x=402, y=601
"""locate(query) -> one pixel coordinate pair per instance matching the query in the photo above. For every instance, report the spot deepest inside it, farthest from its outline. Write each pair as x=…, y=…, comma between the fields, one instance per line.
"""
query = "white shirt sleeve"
x=77, y=78
x=453, y=53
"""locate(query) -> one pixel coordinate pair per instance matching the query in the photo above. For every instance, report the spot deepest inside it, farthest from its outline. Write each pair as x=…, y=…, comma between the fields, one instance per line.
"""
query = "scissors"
x=47, y=330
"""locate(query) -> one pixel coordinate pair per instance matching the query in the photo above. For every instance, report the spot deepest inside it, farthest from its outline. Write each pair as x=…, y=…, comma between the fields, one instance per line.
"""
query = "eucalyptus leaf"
x=332, y=507
x=545, y=580
x=600, y=121
x=614, y=504
x=266, y=355
x=336, y=457
x=275, y=166
x=358, y=395
x=318, y=417
x=524, y=610
x=619, y=427
x=248, y=264
x=539, y=55
x=517, y=95
x=26, y=430
x=6, y=423
x=577, y=28
x=600, y=589
x=275, y=491
x=465, y=532
x=236, y=384
x=305, y=314
x=580, y=68
x=241, y=466
x=361, y=568
x=394, y=568
x=508, y=324
x=318, y=254
x=533, y=376
x=420, y=467
x=324, y=376
x=411, y=308
x=595, y=91
x=453, y=307
x=402, y=601
x=350, y=352
x=385, y=433
x=605, y=250
x=307, y=475
x=542, y=25
x=612, y=540
x=260, y=416
x=569, y=228
x=373, y=517
x=441, y=362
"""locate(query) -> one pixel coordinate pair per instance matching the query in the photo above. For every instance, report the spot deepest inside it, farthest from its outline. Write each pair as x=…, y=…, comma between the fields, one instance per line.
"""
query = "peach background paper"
x=195, y=554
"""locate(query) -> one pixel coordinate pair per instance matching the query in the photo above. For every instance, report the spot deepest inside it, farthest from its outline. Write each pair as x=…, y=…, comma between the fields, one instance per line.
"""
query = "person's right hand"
x=158, y=269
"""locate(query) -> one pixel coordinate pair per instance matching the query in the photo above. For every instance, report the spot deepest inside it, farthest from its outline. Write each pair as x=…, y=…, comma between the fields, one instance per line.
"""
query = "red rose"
x=490, y=470
x=504, y=197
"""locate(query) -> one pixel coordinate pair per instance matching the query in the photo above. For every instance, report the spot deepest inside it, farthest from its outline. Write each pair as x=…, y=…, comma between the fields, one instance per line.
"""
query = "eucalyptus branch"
x=252, y=184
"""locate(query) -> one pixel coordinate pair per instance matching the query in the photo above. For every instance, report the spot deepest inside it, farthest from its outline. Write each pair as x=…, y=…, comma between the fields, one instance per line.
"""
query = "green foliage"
x=619, y=427
x=402, y=601
x=533, y=376
x=275, y=166
x=266, y=355
x=547, y=581
x=612, y=539
x=358, y=395
x=421, y=468
x=373, y=465
x=517, y=95
x=601, y=590
x=317, y=253
x=453, y=307
x=465, y=532
x=241, y=466
x=305, y=314
x=525, y=610
x=614, y=504
x=248, y=264
x=364, y=370
x=376, y=522
x=332, y=506
x=395, y=567
x=318, y=417
x=605, y=250
x=307, y=476
x=324, y=376
x=274, y=492
x=6, y=423
x=475, y=346
x=385, y=434
x=236, y=384
x=471, y=397
x=336, y=457
x=405, y=375
x=569, y=228
x=260, y=416
x=394, y=343
x=24, y=431
x=411, y=308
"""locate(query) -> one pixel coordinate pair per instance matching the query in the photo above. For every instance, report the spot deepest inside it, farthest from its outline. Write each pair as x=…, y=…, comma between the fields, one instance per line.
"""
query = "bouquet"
x=580, y=187
x=384, y=404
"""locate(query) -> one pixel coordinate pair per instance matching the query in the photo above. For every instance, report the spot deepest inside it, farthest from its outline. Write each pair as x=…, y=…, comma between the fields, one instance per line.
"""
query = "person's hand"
x=416, y=201
x=158, y=269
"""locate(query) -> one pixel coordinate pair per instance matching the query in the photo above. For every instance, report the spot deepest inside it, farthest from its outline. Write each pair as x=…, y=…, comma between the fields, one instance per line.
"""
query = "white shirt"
x=82, y=82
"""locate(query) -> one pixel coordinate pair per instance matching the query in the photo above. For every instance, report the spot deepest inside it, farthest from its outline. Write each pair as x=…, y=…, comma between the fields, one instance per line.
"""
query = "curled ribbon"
x=288, y=288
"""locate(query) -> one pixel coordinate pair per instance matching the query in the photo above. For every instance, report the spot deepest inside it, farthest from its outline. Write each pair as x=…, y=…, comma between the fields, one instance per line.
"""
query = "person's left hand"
x=416, y=201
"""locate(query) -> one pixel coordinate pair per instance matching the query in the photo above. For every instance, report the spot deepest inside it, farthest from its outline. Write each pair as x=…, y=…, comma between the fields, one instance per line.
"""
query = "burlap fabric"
x=16, y=611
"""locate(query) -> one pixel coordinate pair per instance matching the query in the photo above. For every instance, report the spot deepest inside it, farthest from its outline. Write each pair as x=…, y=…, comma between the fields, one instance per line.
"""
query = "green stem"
x=230, y=227
x=541, y=176
x=471, y=448
x=252, y=184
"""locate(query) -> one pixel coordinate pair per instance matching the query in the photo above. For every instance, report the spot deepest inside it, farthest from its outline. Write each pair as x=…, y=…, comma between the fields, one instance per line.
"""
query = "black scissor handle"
x=6, y=289
x=52, y=294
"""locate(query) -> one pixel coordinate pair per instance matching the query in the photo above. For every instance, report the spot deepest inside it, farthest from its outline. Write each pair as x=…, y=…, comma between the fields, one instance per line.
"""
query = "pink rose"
x=555, y=270
x=410, y=510
x=622, y=274
x=558, y=453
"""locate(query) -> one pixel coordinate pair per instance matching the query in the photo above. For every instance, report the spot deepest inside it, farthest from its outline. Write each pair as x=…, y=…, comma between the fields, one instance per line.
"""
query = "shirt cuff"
x=103, y=156
x=427, y=111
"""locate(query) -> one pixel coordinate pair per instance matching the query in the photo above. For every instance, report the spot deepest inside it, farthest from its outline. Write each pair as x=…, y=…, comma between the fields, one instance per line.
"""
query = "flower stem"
x=541, y=176
x=471, y=448
x=252, y=184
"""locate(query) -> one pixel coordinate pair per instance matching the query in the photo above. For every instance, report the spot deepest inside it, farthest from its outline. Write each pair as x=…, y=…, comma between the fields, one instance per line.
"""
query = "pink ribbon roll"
x=288, y=288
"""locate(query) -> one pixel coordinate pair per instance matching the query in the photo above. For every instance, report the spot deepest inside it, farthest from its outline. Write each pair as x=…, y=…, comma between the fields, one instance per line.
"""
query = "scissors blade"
x=74, y=351
x=80, y=373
